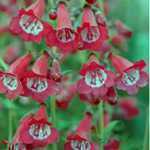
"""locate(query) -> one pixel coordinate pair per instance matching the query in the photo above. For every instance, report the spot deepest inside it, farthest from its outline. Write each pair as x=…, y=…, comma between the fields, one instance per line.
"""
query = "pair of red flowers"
x=36, y=83
x=90, y=35
x=97, y=83
x=36, y=132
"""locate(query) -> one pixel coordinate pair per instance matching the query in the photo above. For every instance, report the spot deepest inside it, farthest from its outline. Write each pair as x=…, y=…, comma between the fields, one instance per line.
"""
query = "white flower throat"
x=37, y=84
x=65, y=35
x=131, y=77
x=90, y=35
x=40, y=131
x=96, y=79
x=31, y=25
x=80, y=145
x=10, y=82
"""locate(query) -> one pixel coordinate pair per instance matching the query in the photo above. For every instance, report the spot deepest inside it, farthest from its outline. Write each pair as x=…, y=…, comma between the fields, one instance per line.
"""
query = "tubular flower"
x=92, y=33
x=36, y=82
x=95, y=79
x=131, y=75
x=64, y=37
x=122, y=29
x=113, y=144
x=110, y=97
x=80, y=140
x=10, y=83
x=128, y=108
x=35, y=130
x=27, y=23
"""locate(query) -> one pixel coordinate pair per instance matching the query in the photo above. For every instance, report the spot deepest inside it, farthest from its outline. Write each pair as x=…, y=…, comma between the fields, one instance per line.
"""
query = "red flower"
x=92, y=32
x=11, y=54
x=110, y=97
x=27, y=23
x=131, y=76
x=36, y=82
x=64, y=37
x=122, y=29
x=128, y=108
x=95, y=79
x=65, y=95
x=35, y=130
x=113, y=144
x=10, y=83
x=80, y=139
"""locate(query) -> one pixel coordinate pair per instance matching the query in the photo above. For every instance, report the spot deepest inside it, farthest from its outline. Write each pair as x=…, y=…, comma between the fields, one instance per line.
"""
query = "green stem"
x=146, y=135
x=101, y=124
x=10, y=126
x=3, y=64
x=53, y=114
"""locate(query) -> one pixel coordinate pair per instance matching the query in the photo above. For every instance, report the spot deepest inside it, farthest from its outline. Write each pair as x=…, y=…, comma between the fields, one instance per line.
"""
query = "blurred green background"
x=134, y=13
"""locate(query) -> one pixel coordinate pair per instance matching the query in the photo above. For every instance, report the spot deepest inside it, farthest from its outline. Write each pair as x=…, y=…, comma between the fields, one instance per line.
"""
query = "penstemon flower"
x=80, y=139
x=131, y=75
x=92, y=33
x=64, y=37
x=10, y=83
x=35, y=130
x=95, y=80
x=27, y=23
x=36, y=83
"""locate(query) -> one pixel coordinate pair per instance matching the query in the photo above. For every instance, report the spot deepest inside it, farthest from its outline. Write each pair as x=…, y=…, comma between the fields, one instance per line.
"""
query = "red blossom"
x=64, y=37
x=27, y=23
x=36, y=82
x=128, y=108
x=11, y=54
x=92, y=33
x=10, y=83
x=80, y=139
x=35, y=130
x=113, y=144
x=122, y=29
x=96, y=80
x=131, y=75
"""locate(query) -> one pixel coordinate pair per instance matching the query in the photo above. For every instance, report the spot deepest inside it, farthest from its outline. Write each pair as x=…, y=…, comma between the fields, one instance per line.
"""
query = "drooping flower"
x=36, y=82
x=80, y=139
x=64, y=37
x=110, y=97
x=27, y=23
x=128, y=108
x=10, y=83
x=112, y=144
x=123, y=29
x=95, y=80
x=11, y=54
x=131, y=75
x=35, y=130
x=92, y=33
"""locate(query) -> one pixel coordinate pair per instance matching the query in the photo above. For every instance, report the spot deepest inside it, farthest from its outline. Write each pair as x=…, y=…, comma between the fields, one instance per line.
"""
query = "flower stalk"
x=53, y=114
x=101, y=124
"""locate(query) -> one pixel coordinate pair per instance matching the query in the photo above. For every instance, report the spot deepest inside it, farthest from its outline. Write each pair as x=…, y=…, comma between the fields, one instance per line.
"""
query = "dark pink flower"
x=10, y=83
x=96, y=80
x=92, y=32
x=80, y=139
x=128, y=108
x=113, y=144
x=36, y=82
x=35, y=130
x=118, y=40
x=131, y=75
x=64, y=37
x=122, y=29
x=11, y=54
x=27, y=23
x=65, y=95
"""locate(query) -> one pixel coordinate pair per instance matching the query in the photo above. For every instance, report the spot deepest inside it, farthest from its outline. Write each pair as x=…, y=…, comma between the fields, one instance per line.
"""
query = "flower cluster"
x=99, y=81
